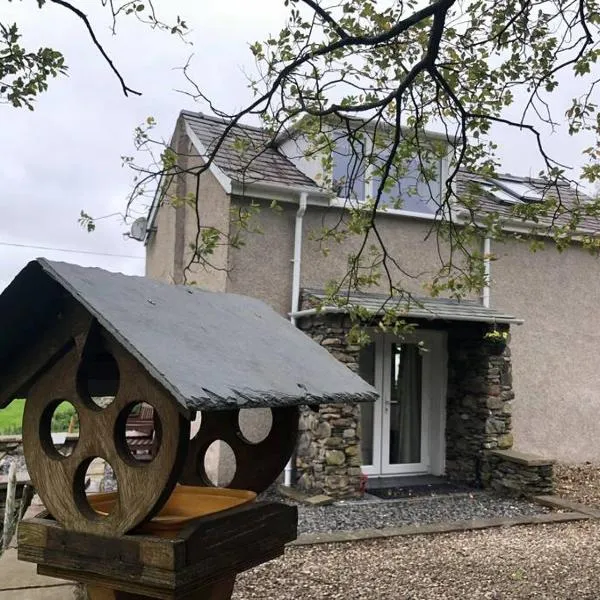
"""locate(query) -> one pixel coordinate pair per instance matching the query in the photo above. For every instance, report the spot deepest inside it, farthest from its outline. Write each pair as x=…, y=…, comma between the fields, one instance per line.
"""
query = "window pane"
x=412, y=189
x=366, y=369
x=349, y=169
x=405, y=405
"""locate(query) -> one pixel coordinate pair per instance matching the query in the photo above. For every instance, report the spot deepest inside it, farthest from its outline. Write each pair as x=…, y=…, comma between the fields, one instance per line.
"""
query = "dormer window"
x=415, y=187
x=349, y=169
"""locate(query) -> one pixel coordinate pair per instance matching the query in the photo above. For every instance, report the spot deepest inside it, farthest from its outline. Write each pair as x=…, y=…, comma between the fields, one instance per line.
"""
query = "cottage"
x=447, y=410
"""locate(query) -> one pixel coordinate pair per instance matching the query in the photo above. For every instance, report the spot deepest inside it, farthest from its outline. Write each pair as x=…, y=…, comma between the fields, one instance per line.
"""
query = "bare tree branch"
x=81, y=15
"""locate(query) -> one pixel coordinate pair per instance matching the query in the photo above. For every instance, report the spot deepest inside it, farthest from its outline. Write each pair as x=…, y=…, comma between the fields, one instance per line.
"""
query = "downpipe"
x=296, y=265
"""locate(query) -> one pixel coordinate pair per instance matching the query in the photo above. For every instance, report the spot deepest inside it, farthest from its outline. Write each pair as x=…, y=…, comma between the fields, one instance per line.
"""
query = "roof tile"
x=259, y=161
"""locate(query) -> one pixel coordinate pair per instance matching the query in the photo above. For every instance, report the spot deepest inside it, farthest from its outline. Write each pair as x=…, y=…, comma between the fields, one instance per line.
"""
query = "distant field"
x=11, y=417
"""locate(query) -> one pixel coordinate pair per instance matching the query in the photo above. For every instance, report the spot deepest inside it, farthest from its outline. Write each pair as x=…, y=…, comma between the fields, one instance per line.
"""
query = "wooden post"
x=9, y=508
x=221, y=590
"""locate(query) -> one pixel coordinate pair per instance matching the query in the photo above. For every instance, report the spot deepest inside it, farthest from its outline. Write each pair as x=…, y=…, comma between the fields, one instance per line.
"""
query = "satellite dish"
x=138, y=229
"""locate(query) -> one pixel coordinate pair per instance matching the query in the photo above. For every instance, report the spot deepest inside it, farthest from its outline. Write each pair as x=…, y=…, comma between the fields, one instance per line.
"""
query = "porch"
x=444, y=407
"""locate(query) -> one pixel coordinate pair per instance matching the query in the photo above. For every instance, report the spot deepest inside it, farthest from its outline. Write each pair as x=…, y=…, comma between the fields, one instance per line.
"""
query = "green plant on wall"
x=496, y=337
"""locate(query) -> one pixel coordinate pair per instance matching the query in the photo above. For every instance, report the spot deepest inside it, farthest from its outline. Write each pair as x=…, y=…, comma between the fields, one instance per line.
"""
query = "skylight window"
x=513, y=192
x=521, y=190
x=500, y=194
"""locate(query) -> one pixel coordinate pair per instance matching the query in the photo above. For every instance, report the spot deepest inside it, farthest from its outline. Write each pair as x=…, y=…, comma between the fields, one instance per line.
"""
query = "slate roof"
x=487, y=203
x=259, y=161
x=210, y=350
x=262, y=162
x=424, y=308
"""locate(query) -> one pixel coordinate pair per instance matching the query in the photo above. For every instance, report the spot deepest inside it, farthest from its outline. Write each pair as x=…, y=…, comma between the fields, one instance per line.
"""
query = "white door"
x=403, y=432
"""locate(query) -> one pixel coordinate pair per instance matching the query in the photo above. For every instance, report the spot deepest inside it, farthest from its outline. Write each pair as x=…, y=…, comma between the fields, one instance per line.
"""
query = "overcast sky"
x=65, y=156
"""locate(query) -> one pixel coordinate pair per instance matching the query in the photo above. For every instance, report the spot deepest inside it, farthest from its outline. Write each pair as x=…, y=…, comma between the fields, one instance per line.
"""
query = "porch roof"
x=415, y=308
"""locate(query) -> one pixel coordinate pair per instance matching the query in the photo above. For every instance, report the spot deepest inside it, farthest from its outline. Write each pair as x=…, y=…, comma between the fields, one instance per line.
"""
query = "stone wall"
x=478, y=417
x=328, y=450
x=521, y=473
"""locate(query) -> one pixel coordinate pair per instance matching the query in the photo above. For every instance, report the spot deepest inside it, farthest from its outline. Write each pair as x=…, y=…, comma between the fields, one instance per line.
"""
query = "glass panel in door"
x=403, y=417
x=366, y=427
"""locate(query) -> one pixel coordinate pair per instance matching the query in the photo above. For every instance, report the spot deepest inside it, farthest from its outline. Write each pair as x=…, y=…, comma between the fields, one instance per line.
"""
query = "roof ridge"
x=220, y=120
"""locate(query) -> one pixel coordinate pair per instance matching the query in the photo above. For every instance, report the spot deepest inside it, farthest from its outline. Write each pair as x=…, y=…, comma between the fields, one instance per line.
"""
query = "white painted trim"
x=296, y=268
x=280, y=187
x=153, y=213
x=219, y=174
x=374, y=469
x=344, y=202
x=517, y=226
x=422, y=466
x=485, y=292
x=280, y=194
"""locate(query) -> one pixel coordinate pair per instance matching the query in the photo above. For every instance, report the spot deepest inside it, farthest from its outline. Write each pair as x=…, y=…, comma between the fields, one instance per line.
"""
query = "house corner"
x=479, y=437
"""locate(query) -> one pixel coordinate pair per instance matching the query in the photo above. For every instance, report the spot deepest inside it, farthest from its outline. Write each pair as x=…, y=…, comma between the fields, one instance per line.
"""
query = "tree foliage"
x=382, y=74
x=24, y=74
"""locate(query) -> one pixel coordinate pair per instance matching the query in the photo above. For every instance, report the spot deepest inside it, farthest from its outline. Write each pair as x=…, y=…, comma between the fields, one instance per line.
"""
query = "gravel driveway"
x=394, y=513
x=559, y=561
x=580, y=483
x=544, y=561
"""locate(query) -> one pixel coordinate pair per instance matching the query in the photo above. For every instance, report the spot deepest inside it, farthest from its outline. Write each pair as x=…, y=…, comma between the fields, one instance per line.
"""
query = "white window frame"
x=368, y=182
x=434, y=381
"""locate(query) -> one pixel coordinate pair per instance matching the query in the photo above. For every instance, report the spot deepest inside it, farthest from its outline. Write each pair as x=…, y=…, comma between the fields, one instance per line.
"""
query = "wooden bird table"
x=77, y=335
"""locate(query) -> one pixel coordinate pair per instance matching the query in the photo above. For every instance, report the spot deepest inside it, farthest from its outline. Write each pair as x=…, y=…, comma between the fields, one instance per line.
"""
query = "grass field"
x=11, y=417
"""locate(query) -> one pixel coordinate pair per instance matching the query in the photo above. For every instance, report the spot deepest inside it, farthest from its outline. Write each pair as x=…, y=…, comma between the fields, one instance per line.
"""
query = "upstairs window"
x=414, y=187
x=349, y=169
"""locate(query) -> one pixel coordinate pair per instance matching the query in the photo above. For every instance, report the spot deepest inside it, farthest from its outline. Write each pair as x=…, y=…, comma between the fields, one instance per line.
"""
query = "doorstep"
x=402, y=481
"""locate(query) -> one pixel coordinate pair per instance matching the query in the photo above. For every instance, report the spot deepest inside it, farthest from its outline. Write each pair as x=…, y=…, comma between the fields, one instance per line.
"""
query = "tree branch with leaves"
x=381, y=75
x=24, y=74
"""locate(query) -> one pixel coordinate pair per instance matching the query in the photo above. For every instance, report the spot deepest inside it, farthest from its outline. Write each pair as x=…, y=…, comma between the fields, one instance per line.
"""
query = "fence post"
x=9, y=508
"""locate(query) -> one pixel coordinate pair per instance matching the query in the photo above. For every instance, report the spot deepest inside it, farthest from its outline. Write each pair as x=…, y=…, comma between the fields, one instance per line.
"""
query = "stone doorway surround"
x=478, y=433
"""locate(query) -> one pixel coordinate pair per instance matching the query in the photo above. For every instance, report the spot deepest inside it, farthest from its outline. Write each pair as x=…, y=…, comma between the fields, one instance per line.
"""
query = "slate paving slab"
x=20, y=581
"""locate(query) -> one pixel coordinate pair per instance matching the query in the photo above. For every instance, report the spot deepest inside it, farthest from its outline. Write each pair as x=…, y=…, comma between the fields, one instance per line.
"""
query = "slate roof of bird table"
x=210, y=350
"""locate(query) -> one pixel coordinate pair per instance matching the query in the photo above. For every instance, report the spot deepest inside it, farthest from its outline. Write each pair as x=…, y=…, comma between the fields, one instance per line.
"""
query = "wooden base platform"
x=200, y=562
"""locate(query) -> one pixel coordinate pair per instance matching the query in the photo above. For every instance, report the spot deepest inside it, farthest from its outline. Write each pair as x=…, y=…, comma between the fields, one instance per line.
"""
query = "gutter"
x=296, y=270
x=519, y=226
x=257, y=188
